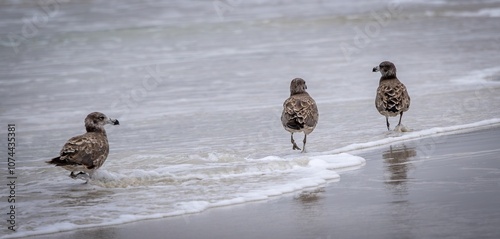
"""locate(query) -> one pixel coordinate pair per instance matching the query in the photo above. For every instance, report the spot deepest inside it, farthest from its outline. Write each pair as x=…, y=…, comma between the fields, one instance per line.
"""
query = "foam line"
x=415, y=135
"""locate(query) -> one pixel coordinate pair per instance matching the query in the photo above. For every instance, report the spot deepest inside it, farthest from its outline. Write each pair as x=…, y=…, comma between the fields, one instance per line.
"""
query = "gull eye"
x=101, y=118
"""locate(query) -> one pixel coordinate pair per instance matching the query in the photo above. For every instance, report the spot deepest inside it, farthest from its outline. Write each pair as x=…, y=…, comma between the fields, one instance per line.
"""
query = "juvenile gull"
x=392, y=97
x=300, y=113
x=87, y=152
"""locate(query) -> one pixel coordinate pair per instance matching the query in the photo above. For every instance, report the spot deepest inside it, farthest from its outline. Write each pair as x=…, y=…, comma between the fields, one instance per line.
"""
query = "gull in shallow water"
x=300, y=113
x=392, y=97
x=87, y=152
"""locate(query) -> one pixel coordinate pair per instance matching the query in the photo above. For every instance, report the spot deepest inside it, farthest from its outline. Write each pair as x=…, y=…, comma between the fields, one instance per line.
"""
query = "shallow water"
x=199, y=94
x=452, y=192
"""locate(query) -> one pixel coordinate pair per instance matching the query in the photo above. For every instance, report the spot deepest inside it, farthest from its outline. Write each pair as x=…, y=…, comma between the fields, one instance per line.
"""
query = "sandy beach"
x=439, y=187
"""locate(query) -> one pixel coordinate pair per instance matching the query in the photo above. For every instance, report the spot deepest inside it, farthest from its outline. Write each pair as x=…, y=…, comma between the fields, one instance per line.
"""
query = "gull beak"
x=376, y=69
x=113, y=121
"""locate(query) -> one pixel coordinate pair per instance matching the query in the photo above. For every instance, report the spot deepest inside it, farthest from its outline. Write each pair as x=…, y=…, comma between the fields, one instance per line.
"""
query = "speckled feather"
x=89, y=150
x=300, y=112
x=86, y=152
x=392, y=97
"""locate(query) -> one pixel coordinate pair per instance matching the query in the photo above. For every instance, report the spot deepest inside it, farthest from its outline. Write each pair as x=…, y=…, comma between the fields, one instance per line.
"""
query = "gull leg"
x=294, y=144
x=387, y=122
x=304, y=147
x=80, y=175
x=84, y=176
x=400, y=116
x=89, y=177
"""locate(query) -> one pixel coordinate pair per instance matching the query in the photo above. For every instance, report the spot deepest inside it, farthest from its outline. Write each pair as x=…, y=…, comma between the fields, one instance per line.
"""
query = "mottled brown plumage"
x=392, y=97
x=87, y=152
x=300, y=113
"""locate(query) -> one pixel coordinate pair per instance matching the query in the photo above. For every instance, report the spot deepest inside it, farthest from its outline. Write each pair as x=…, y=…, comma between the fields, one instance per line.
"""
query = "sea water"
x=198, y=88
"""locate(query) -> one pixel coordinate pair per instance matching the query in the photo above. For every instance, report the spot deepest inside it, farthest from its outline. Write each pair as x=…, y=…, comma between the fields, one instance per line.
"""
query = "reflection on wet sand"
x=397, y=163
x=308, y=196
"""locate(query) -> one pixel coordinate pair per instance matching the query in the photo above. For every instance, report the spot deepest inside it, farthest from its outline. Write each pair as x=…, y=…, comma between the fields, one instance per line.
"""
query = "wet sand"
x=446, y=186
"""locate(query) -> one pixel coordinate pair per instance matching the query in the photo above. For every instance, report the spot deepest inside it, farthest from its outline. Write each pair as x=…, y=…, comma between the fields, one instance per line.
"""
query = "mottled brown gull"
x=87, y=152
x=392, y=97
x=300, y=113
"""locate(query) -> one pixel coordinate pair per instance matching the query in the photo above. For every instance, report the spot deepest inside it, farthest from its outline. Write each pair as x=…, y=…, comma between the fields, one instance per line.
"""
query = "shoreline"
x=417, y=135
x=256, y=211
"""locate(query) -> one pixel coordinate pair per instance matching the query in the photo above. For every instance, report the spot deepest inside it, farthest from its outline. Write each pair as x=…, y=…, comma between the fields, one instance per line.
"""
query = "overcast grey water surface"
x=198, y=88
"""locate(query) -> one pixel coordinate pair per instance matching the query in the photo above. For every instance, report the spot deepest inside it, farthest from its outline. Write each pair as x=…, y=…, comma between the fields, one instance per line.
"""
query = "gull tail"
x=58, y=161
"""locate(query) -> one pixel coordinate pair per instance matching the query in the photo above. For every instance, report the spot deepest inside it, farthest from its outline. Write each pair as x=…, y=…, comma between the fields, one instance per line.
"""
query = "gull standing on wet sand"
x=87, y=152
x=392, y=97
x=300, y=113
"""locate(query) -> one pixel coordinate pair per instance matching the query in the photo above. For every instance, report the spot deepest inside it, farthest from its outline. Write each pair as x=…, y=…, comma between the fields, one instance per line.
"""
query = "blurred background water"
x=198, y=88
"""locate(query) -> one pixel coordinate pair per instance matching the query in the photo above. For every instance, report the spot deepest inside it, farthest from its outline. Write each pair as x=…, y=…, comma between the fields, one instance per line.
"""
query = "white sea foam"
x=397, y=137
x=483, y=76
x=486, y=12
x=256, y=179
